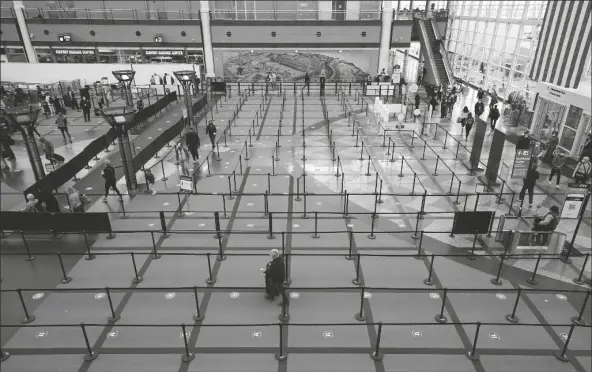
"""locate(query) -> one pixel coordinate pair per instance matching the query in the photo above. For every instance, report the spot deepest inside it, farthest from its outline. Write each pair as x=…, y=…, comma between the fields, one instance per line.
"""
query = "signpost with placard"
x=186, y=184
x=521, y=163
x=572, y=205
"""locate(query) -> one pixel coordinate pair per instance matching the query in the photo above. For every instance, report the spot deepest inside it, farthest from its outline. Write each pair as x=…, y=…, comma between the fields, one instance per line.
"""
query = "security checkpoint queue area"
x=363, y=217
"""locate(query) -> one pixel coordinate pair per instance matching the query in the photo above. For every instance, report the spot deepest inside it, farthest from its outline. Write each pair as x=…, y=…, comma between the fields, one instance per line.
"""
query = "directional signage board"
x=572, y=205
x=186, y=184
x=521, y=163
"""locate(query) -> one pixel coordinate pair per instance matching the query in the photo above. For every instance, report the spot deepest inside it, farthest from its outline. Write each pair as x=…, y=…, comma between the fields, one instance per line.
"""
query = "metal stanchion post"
x=356, y=280
x=187, y=356
x=578, y=320
x=29, y=257
x=113, y=317
x=419, y=246
x=512, y=318
x=561, y=354
x=377, y=355
x=210, y=279
x=65, y=278
x=271, y=236
x=316, y=234
x=89, y=256
x=137, y=278
x=304, y=216
x=155, y=254
x=579, y=280
x=90, y=355
x=288, y=279
x=350, y=236
x=441, y=318
x=532, y=280
x=473, y=355
x=198, y=317
x=417, y=218
x=428, y=281
x=361, y=316
x=28, y=317
x=497, y=280
x=280, y=356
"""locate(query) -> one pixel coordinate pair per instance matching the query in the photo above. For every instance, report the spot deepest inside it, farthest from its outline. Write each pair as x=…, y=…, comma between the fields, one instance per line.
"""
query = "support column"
x=20, y=18
x=127, y=157
x=385, y=36
x=207, y=38
x=405, y=64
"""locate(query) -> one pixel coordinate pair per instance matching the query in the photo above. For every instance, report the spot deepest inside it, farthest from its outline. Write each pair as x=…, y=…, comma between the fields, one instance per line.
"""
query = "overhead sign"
x=186, y=184
x=74, y=51
x=572, y=205
x=396, y=74
x=521, y=163
x=164, y=52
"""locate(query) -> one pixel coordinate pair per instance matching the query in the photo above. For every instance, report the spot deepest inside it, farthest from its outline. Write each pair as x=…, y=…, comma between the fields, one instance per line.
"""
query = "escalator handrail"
x=428, y=47
x=443, y=52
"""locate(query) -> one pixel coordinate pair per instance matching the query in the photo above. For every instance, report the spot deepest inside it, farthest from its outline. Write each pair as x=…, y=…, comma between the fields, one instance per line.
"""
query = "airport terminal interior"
x=295, y=186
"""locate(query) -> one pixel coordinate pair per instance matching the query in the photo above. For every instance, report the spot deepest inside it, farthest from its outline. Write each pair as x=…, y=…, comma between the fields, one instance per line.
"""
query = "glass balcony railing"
x=110, y=14
x=294, y=15
x=7, y=13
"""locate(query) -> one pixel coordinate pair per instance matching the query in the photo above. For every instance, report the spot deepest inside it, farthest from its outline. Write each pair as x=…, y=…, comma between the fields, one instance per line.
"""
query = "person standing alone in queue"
x=108, y=174
x=479, y=108
x=469, y=121
x=85, y=104
x=529, y=183
x=322, y=81
x=274, y=277
x=211, y=132
x=192, y=142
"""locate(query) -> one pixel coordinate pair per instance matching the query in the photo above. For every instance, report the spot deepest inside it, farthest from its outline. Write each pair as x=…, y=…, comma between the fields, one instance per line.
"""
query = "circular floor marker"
x=42, y=334
x=328, y=334
x=170, y=295
x=38, y=296
x=228, y=161
x=561, y=297
x=416, y=333
x=254, y=185
x=187, y=334
x=563, y=336
x=149, y=137
x=220, y=176
x=296, y=225
x=257, y=334
x=202, y=225
x=494, y=336
x=250, y=225
x=113, y=334
x=500, y=296
x=88, y=188
x=166, y=203
x=234, y=295
x=100, y=295
x=150, y=225
x=350, y=225
x=294, y=294
x=250, y=204
x=367, y=295
x=435, y=295
x=319, y=203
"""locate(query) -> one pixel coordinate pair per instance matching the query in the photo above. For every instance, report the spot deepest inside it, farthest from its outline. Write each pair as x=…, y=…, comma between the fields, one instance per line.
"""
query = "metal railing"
x=111, y=14
x=300, y=15
x=443, y=52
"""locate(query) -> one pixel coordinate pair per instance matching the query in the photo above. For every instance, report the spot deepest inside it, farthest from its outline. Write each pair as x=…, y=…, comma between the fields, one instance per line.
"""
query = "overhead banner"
x=572, y=205
x=521, y=163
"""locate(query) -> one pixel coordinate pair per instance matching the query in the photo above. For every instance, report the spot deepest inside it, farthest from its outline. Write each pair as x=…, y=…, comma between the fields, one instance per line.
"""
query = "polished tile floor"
x=318, y=218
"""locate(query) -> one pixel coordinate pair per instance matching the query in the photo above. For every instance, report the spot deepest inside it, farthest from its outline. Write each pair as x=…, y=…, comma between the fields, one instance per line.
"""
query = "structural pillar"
x=207, y=38
x=385, y=36
x=127, y=157
x=33, y=153
x=22, y=24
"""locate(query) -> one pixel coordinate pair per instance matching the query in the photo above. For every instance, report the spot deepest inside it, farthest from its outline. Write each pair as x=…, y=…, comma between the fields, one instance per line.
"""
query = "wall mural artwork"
x=255, y=66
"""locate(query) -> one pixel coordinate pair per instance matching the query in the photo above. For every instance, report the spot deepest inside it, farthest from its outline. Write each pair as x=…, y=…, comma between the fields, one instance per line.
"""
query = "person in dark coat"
x=73, y=100
x=48, y=202
x=494, y=114
x=86, y=106
x=275, y=275
x=322, y=81
x=469, y=121
x=108, y=174
x=480, y=94
x=479, y=108
x=192, y=142
x=524, y=142
x=211, y=132
x=529, y=183
x=417, y=101
x=548, y=224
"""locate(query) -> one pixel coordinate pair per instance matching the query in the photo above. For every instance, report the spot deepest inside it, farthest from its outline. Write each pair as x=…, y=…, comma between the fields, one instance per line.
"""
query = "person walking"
x=306, y=83
x=551, y=146
x=547, y=224
x=75, y=200
x=211, y=132
x=50, y=151
x=582, y=171
x=192, y=141
x=417, y=101
x=462, y=119
x=494, y=114
x=469, y=121
x=480, y=94
x=433, y=104
x=450, y=101
x=524, y=142
x=536, y=153
x=274, y=277
x=58, y=105
x=322, y=81
x=528, y=184
x=557, y=165
x=479, y=108
x=86, y=106
x=50, y=105
x=439, y=94
x=62, y=124
x=73, y=101
x=108, y=174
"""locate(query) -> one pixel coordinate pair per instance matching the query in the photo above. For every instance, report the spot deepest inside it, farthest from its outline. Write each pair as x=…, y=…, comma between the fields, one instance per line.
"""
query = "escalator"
x=438, y=68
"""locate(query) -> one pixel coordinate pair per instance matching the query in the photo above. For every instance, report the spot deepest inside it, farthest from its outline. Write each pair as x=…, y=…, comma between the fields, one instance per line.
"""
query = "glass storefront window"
x=72, y=55
x=44, y=55
x=108, y=56
x=130, y=56
x=573, y=117
x=15, y=54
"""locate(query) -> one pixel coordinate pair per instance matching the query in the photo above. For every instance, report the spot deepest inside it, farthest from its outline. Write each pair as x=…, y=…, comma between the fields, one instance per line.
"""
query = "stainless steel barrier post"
x=578, y=319
x=512, y=318
x=113, y=317
x=441, y=318
x=65, y=278
x=579, y=280
x=280, y=356
x=90, y=355
x=497, y=280
x=532, y=280
x=361, y=316
x=428, y=281
x=356, y=280
x=187, y=357
x=28, y=317
x=561, y=354
x=473, y=355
